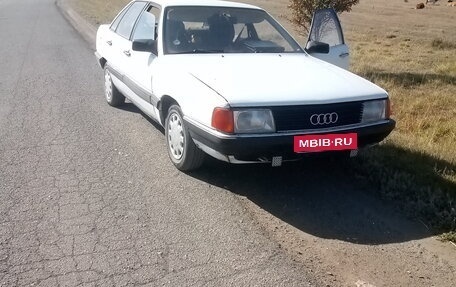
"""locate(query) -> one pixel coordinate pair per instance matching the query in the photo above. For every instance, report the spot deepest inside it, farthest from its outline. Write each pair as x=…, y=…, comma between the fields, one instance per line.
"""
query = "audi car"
x=226, y=80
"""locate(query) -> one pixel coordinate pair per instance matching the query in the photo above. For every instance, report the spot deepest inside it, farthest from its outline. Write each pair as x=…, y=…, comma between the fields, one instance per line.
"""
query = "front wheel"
x=112, y=94
x=183, y=152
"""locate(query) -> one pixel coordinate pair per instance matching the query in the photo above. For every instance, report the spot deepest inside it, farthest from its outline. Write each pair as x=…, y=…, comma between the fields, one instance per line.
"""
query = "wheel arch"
x=163, y=106
x=102, y=61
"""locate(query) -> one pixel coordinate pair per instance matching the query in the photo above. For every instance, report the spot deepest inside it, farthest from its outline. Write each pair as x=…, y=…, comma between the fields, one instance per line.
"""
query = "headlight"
x=375, y=111
x=253, y=121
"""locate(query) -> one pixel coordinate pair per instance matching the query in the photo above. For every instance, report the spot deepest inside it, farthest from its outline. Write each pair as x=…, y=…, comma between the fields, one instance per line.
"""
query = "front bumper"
x=262, y=148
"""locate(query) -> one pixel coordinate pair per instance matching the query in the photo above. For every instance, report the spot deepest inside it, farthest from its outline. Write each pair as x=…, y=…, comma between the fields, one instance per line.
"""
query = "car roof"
x=218, y=3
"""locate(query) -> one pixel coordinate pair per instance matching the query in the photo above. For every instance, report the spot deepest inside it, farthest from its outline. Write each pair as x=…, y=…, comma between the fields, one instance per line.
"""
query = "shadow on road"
x=130, y=107
x=322, y=197
x=329, y=198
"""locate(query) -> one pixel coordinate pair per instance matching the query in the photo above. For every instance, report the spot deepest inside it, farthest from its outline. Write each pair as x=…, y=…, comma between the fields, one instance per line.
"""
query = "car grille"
x=289, y=118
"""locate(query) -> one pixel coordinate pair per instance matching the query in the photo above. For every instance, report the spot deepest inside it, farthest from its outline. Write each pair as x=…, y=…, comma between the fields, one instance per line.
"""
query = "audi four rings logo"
x=324, y=119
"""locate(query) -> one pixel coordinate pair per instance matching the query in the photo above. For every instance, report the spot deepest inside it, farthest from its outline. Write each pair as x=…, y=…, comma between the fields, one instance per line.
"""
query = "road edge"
x=87, y=30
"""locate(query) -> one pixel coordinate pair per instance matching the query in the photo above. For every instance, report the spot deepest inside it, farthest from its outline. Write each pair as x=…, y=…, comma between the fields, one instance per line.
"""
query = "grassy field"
x=412, y=54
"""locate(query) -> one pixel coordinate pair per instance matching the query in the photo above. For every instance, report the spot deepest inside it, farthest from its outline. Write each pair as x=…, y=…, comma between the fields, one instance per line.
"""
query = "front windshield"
x=199, y=29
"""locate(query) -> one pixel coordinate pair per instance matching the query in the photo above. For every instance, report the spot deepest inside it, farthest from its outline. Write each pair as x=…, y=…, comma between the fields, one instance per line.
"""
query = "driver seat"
x=176, y=37
x=221, y=32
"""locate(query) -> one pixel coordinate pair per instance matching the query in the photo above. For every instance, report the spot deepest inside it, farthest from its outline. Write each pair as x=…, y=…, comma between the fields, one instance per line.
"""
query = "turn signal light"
x=222, y=120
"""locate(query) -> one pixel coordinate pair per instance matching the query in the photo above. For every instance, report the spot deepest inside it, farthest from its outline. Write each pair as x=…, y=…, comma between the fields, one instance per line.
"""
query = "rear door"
x=326, y=28
x=120, y=42
x=105, y=37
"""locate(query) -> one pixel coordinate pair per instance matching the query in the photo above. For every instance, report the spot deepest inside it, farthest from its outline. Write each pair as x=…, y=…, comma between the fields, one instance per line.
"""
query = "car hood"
x=278, y=79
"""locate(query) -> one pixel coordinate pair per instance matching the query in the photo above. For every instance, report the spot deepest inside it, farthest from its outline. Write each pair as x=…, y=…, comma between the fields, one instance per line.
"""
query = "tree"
x=302, y=10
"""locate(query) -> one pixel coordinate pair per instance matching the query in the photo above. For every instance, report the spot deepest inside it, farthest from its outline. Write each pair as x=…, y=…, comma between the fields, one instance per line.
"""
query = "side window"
x=119, y=17
x=156, y=12
x=326, y=28
x=129, y=19
x=147, y=24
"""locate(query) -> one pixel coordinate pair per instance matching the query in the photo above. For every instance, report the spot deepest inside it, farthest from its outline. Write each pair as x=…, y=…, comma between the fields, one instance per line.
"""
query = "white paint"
x=201, y=82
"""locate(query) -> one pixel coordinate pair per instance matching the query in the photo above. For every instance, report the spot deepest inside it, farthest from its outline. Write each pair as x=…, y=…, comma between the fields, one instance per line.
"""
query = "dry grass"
x=98, y=11
x=411, y=53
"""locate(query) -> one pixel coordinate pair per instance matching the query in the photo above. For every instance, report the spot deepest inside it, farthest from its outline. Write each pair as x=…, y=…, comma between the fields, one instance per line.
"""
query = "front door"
x=326, y=28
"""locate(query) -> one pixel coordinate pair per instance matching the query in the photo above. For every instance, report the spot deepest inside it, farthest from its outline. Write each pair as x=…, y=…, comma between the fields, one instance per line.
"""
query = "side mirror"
x=145, y=45
x=317, y=47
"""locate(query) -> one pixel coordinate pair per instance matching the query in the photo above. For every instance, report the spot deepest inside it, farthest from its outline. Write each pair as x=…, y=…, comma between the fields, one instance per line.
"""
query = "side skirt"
x=138, y=101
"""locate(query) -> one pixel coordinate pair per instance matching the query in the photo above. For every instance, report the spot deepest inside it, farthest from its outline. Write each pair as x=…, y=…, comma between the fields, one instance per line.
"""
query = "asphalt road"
x=88, y=196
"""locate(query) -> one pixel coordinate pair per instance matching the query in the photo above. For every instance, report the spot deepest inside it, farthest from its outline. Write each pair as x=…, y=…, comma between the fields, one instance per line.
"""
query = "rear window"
x=129, y=19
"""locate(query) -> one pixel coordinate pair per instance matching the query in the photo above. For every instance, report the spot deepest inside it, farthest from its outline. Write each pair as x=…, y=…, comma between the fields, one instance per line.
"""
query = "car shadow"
x=130, y=107
x=342, y=199
x=319, y=196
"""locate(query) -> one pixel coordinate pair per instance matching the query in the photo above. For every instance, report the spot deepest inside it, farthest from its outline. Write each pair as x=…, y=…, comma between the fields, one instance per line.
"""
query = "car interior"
x=221, y=32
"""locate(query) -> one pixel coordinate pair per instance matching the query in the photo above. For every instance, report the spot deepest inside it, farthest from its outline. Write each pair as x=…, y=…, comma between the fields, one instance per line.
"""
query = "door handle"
x=109, y=42
x=343, y=55
x=127, y=52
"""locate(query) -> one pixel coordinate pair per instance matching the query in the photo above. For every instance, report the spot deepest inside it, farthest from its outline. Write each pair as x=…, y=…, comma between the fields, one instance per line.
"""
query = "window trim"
x=120, y=16
x=136, y=20
x=150, y=4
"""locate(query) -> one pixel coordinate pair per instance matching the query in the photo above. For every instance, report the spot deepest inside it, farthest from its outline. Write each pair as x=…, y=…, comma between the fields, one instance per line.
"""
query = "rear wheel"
x=113, y=96
x=182, y=151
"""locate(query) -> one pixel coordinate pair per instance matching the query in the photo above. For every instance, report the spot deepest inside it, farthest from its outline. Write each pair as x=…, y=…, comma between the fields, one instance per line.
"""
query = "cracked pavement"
x=88, y=196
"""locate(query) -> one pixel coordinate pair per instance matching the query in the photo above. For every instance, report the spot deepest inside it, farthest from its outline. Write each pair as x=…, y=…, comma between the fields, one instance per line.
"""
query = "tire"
x=182, y=151
x=112, y=94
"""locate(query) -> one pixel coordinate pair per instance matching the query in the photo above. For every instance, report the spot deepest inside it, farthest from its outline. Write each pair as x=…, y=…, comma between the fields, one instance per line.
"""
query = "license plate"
x=327, y=142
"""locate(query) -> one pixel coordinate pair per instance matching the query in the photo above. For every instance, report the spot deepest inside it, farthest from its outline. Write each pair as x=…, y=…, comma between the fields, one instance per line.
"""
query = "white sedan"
x=227, y=80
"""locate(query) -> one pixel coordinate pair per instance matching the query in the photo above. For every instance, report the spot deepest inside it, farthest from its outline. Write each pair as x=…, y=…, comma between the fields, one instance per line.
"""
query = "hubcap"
x=108, y=86
x=176, y=138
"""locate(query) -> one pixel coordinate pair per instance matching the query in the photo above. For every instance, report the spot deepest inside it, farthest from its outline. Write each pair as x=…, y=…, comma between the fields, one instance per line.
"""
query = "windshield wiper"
x=201, y=51
x=204, y=51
